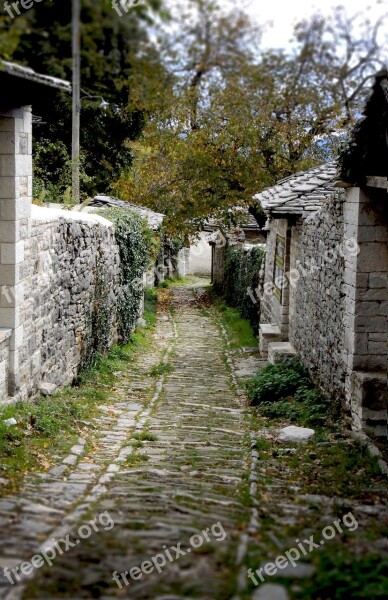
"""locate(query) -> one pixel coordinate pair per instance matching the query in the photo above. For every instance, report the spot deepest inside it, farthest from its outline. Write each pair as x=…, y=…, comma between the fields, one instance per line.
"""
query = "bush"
x=137, y=246
x=242, y=269
x=285, y=391
x=278, y=381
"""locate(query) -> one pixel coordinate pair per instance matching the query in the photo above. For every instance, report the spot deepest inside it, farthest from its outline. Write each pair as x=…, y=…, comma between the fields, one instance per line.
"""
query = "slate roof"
x=26, y=73
x=302, y=193
x=154, y=219
x=243, y=219
x=21, y=86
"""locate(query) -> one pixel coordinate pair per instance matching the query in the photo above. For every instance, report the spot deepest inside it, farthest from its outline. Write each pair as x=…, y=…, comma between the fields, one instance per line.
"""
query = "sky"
x=283, y=13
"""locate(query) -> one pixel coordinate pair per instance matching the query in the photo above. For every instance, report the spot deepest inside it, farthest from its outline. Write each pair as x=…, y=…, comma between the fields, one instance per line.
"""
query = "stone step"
x=279, y=350
x=268, y=332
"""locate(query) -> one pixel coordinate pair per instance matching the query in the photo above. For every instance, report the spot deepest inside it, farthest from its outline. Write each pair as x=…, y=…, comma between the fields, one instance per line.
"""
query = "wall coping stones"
x=49, y=215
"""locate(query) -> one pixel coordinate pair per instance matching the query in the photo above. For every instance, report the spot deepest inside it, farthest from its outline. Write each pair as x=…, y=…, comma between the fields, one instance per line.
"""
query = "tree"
x=109, y=42
x=227, y=120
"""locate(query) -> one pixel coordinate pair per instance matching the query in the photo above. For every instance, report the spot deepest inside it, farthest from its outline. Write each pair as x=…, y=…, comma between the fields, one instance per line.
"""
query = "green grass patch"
x=341, y=576
x=137, y=458
x=145, y=436
x=161, y=369
x=239, y=330
x=150, y=300
x=343, y=469
x=175, y=281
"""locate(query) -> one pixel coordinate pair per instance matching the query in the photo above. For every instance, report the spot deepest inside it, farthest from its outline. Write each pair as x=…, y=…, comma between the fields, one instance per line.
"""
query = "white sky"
x=284, y=13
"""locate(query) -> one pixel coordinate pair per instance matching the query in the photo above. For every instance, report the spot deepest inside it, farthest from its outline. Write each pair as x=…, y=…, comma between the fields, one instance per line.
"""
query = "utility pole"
x=76, y=53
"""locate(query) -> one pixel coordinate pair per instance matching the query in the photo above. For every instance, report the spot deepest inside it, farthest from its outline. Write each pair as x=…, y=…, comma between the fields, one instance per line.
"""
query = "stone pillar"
x=15, y=218
x=366, y=308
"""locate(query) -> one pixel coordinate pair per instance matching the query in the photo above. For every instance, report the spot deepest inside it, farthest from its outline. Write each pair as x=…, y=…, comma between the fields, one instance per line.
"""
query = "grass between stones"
x=161, y=369
x=48, y=426
x=239, y=330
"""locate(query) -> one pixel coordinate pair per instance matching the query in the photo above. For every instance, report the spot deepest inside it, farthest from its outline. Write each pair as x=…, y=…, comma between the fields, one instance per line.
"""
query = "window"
x=279, y=267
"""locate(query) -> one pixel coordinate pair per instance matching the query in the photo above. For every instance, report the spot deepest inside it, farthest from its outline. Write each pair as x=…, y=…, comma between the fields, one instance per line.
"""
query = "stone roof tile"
x=300, y=193
x=154, y=219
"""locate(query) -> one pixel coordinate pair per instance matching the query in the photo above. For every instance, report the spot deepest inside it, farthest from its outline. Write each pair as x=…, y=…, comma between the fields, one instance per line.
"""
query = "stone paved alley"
x=174, y=455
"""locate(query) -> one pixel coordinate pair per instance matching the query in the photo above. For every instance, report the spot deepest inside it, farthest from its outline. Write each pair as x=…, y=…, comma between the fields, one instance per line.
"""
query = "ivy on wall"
x=242, y=267
x=138, y=247
x=100, y=322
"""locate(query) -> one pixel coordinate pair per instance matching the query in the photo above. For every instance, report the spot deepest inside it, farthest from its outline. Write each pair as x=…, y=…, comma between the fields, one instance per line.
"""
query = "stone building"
x=59, y=269
x=325, y=289
x=20, y=87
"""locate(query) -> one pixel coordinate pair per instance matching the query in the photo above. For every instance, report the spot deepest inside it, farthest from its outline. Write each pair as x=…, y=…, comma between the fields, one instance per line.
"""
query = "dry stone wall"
x=73, y=269
x=317, y=330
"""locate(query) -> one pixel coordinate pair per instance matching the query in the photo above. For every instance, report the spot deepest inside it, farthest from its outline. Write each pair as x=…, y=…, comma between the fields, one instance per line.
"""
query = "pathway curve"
x=171, y=471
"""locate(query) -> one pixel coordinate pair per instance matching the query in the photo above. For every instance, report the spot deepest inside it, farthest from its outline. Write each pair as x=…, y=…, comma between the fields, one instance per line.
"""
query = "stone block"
x=9, y=276
x=3, y=372
x=279, y=350
x=378, y=348
x=378, y=280
x=8, y=188
x=17, y=338
x=8, y=165
x=23, y=146
x=9, y=318
x=9, y=232
x=368, y=309
x=27, y=119
x=11, y=295
x=372, y=362
x=13, y=210
x=351, y=213
x=24, y=188
x=378, y=337
x=374, y=294
x=373, y=257
x=8, y=143
x=12, y=254
x=23, y=165
x=14, y=361
x=384, y=308
x=375, y=233
x=367, y=217
x=7, y=123
x=47, y=389
x=373, y=324
x=267, y=333
x=360, y=343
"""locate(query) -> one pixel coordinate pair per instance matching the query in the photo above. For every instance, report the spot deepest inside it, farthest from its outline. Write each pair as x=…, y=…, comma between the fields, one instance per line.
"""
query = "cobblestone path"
x=181, y=478
x=171, y=462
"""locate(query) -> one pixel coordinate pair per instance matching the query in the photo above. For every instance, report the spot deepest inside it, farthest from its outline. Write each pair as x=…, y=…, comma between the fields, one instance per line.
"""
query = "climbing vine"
x=138, y=247
x=99, y=324
x=242, y=267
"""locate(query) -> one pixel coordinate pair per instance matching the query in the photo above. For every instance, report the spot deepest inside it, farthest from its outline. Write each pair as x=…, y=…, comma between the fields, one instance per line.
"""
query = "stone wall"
x=317, y=330
x=274, y=310
x=337, y=284
x=69, y=257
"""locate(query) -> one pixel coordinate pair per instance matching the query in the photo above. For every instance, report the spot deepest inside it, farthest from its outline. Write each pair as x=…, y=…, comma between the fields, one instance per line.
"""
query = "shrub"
x=137, y=247
x=285, y=391
x=241, y=273
x=278, y=381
